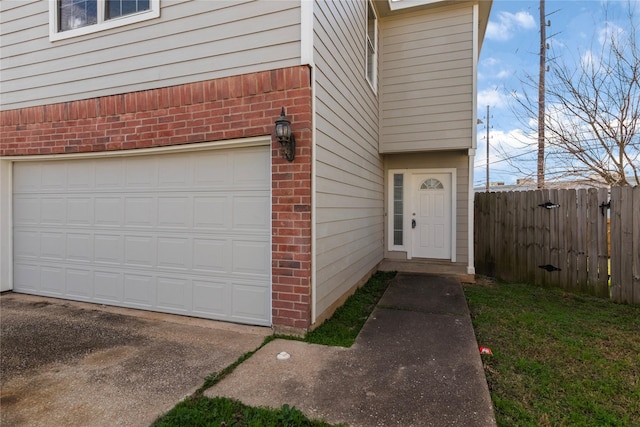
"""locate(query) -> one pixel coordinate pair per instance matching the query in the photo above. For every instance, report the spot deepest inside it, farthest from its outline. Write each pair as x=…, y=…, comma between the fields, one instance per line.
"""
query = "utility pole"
x=487, y=185
x=541, y=92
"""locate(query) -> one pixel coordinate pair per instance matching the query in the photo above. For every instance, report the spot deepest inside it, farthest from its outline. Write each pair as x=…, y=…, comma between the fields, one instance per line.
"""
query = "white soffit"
x=404, y=4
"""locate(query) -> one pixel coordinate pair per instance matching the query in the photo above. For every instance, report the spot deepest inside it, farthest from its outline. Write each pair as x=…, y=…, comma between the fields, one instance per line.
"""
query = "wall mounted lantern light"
x=285, y=137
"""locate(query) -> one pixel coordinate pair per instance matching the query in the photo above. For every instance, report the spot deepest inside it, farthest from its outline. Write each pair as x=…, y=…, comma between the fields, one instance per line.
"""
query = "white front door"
x=431, y=215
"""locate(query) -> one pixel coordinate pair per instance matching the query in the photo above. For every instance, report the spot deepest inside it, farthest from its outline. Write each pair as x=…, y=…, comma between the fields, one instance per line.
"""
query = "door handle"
x=413, y=223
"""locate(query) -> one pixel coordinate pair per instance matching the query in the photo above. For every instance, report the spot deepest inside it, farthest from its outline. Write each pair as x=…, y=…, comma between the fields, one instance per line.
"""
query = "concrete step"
x=425, y=266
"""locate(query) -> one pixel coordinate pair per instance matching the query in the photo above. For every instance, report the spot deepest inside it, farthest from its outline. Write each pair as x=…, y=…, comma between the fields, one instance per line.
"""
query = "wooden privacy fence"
x=560, y=238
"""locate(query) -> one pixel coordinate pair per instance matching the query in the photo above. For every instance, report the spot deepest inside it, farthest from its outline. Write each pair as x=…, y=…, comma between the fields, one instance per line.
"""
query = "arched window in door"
x=431, y=184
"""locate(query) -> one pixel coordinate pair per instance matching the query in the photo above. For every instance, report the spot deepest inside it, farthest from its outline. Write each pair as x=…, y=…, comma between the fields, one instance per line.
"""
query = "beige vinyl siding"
x=191, y=41
x=436, y=160
x=426, y=85
x=349, y=171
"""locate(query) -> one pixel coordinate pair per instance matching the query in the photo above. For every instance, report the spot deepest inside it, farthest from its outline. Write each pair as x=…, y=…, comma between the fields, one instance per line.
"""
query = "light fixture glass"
x=285, y=136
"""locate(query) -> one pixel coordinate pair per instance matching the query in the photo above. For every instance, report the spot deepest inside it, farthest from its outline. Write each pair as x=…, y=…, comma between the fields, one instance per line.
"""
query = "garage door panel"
x=212, y=171
x=27, y=178
x=175, y=172
x=174, y=252
x=175, y=212
x=108, y=287
x=251, y=258
x=248, y=302
x=108, y=248
x=211, y=212
x=80, y=175
x=139, y=290
x=109, y=174
x=53, y=211
x=79, y=211
x=80, y=247
x=211, y=255
x=181, y=233
x=108, y=211
x=79, y=283
x=139, y=211
x=52, y=245
x=211, y=298
x=140, y=172
x=26, y=210
x=26, y=244
x=52, y=280
x=54, y=177
x=250, y=212
x=26, y=277
x=174, y=294
x=139, y=251
x=251, y=169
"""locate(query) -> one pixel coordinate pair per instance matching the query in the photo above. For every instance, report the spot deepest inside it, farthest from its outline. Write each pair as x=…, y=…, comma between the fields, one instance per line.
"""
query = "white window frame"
x=103, y=24
x=373, y=81
x=391, y=211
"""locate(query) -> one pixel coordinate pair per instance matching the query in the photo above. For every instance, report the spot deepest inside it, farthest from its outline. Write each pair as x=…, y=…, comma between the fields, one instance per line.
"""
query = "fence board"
x=552, y=231
x=616, y=244
x=603, y=245
x=561, y=227
x=515, y=236
x=522, y=236
x=577, y=230
x=492, y=234
x=541, y=237
x=592, y=241
x=510, y=247
x=531, y=236
x=626, y=244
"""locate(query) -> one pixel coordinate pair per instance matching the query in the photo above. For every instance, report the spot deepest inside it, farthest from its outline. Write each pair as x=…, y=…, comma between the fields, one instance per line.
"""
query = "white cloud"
x=503, y=74
x=507, y=25
x=610, y=32
x=493, y=97
x=490, y=61
x=588, y=60
x=512, y=155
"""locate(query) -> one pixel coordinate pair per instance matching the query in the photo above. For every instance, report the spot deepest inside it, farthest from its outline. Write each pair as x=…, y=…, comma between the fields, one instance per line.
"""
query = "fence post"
x=635, y=283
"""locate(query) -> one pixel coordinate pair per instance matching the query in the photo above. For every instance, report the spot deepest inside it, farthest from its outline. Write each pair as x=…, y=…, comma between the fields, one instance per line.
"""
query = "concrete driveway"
x=75, y=364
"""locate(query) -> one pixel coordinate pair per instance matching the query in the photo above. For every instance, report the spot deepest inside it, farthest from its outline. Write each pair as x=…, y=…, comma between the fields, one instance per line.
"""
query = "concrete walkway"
x=415, y=363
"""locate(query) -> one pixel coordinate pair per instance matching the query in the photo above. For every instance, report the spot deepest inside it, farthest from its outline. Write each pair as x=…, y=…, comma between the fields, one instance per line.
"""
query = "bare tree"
x=592, y=115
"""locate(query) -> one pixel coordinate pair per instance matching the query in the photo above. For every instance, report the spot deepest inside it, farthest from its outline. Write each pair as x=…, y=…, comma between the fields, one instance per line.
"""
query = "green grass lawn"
x=202, y=411
x=559, y=359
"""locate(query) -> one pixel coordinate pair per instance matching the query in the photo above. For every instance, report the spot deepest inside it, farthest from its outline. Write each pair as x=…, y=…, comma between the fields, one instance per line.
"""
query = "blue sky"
x=511, y=52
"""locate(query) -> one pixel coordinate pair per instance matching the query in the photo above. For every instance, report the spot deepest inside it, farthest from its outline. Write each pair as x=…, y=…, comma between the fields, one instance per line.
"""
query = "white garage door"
x=184, y=233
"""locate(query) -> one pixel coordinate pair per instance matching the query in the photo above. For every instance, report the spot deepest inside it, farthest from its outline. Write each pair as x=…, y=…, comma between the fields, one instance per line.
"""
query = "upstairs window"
x=372, y=46
x=70, y=18
x=118, y=8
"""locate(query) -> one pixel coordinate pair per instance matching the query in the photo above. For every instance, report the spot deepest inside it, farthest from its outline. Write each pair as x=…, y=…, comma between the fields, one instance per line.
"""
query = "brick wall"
x=227, y=108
